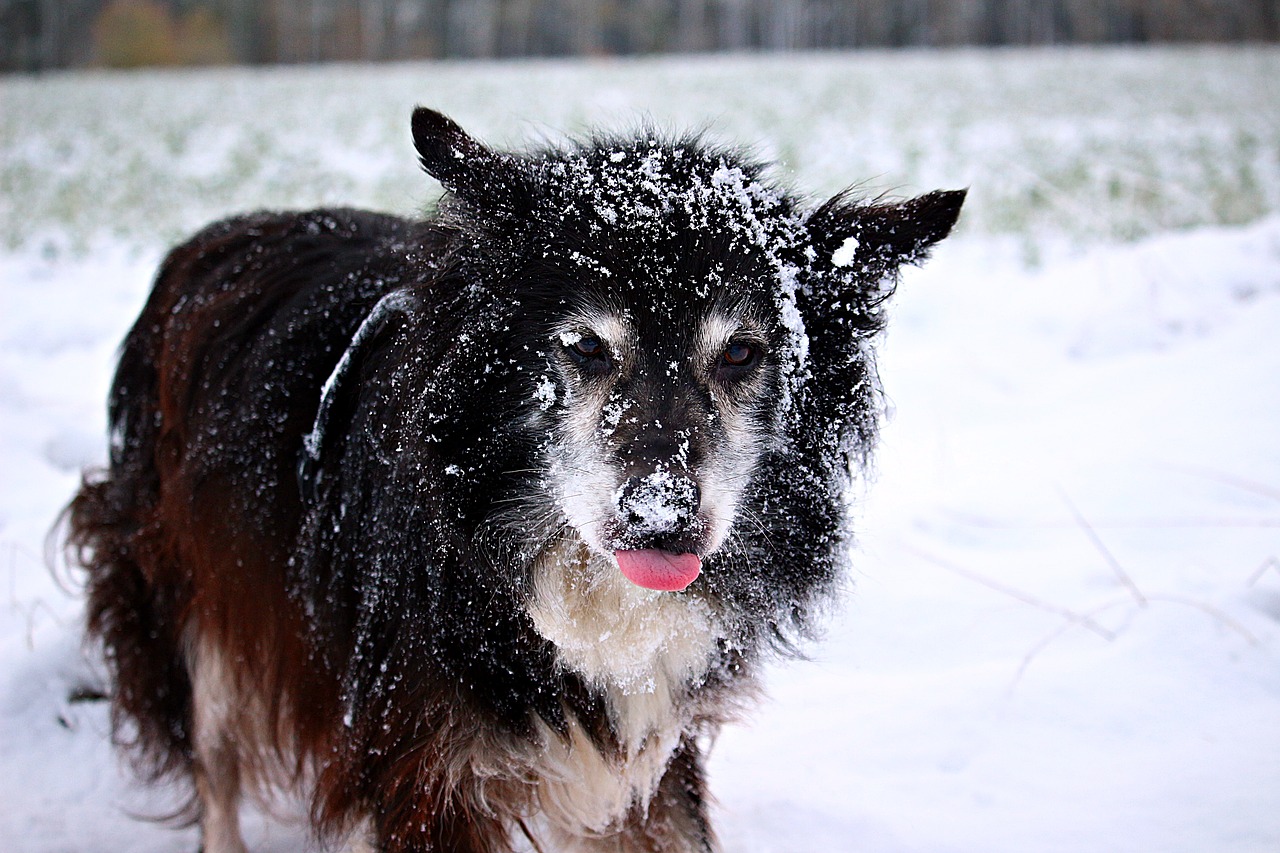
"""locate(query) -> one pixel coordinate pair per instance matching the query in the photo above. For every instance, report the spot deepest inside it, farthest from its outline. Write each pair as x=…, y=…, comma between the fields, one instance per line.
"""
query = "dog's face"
x=660, y=410
x=671, y=305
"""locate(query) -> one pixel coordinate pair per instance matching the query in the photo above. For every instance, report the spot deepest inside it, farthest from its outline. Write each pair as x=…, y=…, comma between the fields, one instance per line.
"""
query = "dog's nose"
x=660, y=502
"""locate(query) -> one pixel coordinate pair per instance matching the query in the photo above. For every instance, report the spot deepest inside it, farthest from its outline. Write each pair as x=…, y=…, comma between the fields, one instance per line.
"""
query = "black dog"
x=470, y=530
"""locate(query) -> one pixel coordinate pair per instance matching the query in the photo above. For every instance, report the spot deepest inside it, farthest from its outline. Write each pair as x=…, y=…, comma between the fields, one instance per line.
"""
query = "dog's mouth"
x=656, y=530
x=664, y=571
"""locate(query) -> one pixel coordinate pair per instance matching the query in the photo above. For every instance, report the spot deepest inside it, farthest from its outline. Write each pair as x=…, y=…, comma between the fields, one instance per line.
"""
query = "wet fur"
x=354, y=539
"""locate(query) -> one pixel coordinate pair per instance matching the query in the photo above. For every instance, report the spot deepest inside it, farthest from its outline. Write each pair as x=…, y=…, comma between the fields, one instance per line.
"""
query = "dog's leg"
x=219, y=811
x=360, y=840
x=216, y=767
x=676, y=820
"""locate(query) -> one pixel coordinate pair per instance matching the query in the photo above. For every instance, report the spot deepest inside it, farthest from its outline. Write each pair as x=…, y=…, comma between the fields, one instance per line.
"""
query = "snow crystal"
x=545, y=393
x=843, y=256
x=590, y=262
x=612, y=414
x=658, y=502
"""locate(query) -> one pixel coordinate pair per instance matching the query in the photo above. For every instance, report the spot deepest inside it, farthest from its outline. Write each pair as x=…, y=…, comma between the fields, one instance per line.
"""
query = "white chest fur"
x=642, y=649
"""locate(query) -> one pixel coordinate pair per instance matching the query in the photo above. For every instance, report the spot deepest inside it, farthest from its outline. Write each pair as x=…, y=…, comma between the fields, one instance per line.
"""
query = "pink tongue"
x=659, y=570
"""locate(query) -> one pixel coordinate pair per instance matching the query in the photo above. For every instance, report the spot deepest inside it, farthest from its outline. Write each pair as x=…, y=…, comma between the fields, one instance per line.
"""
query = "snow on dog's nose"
x=660, y=503
x=659, y=510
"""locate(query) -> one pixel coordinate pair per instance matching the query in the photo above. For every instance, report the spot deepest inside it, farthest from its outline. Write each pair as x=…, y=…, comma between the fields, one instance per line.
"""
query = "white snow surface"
x=1063, y=627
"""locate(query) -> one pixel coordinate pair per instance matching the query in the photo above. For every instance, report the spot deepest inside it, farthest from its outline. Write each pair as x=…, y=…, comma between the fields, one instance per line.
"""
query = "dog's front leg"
x=440, y=822
x=676, y=818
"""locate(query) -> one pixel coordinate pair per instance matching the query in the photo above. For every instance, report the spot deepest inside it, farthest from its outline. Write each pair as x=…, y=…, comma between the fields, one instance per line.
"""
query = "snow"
x=656, y=502
x=844, y=253
x=1063, y=627
x=545, y=392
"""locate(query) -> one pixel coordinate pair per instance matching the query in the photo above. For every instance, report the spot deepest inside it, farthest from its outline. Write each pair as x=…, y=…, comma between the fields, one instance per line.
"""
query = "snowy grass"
x=1078, y=144
x=1064, y=627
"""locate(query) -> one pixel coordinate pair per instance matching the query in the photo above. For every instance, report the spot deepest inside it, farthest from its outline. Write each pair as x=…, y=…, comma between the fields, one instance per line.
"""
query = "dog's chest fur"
x=643, y=651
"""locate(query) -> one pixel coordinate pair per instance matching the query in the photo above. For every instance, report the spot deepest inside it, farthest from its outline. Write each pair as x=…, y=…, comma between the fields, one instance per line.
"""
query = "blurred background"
x=46, y=34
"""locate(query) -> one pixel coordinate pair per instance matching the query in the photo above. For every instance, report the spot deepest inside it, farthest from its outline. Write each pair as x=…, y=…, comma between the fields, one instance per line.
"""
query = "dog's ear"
x=857, y=248
x=867, y=241
x=466, y=167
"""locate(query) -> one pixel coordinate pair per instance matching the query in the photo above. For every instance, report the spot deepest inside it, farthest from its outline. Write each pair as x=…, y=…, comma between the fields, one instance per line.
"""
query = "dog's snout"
x=659, y=503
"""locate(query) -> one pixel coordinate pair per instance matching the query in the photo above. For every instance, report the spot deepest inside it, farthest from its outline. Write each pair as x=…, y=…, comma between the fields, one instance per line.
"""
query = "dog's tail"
x=133, y=607
x=150, y=689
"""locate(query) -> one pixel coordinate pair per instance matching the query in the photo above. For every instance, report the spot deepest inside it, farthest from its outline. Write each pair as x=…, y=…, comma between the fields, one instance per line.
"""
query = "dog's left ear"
x=870, y=240
x=855, y=249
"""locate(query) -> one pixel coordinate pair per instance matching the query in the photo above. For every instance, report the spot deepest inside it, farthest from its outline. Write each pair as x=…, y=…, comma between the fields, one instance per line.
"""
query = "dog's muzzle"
x=659, y=511
x=657, y=530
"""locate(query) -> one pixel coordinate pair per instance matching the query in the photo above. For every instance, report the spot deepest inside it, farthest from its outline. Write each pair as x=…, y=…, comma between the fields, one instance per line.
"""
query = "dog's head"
x=675, y=319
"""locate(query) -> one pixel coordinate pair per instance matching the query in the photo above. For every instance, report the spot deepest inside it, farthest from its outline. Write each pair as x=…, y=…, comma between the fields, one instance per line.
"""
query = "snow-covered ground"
x=1063, y=631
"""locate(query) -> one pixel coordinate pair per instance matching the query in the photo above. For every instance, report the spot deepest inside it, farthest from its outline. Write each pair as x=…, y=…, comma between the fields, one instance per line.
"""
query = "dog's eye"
x=589, y=353
x=587, y=346
x=738, y=354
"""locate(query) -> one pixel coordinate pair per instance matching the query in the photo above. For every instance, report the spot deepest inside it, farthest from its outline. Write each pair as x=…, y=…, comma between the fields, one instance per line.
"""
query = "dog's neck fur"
x=643, y=650
x=627, y=641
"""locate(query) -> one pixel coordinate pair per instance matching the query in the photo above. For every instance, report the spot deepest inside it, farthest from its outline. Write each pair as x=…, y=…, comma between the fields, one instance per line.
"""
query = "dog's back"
x=181, y=537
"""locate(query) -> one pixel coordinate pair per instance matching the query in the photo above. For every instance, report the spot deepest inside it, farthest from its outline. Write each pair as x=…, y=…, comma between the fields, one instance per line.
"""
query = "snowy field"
x=1063, y=627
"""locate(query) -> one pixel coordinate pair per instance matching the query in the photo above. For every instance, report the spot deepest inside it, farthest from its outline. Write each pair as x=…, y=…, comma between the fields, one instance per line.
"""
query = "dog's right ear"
x=466, y=168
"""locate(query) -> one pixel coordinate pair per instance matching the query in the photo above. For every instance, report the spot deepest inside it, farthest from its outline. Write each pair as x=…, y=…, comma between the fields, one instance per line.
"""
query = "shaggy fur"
x=372, y=480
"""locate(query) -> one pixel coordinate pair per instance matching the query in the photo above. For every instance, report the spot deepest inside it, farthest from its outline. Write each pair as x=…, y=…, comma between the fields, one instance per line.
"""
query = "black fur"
x=325, y=419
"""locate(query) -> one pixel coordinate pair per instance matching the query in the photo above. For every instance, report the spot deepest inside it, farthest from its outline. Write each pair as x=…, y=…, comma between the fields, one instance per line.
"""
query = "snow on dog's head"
x=692, y=339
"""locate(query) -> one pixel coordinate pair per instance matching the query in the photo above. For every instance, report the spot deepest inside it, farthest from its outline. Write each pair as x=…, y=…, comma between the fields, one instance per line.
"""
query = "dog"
x=470, y=532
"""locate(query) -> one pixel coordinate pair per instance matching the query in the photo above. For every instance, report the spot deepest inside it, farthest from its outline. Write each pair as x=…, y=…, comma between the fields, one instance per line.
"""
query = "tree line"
x=45, y=34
